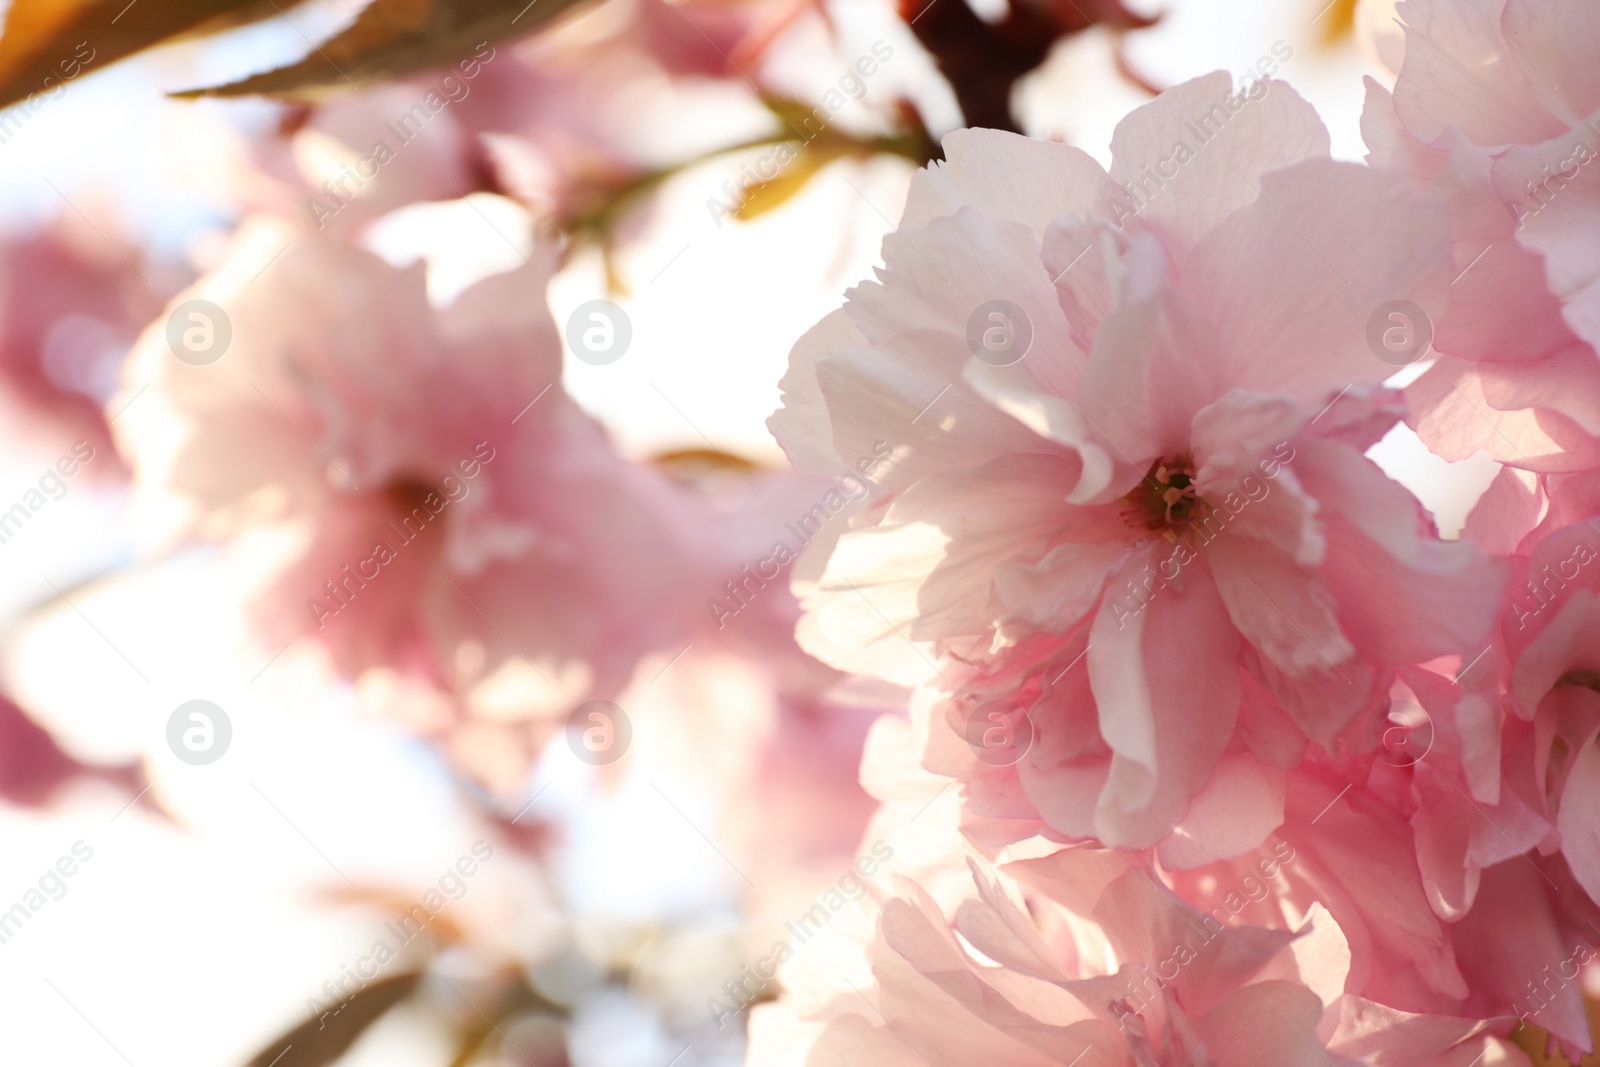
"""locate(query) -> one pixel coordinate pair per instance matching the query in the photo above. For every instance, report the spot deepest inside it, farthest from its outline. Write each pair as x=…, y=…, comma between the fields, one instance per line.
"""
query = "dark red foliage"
x=983, y=60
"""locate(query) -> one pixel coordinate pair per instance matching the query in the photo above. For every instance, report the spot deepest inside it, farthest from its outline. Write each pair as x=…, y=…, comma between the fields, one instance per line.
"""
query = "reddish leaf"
x=983, y=60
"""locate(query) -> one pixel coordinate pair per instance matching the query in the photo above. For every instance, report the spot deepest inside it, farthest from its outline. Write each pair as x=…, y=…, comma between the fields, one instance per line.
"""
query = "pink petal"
x=1507, y=511
x=1283, y=609
x=1556, y=43
x=1266, y=1025
x=1167, y=686
x=913, y=382
x=938, y=277
x=1459, y=70
x=1454, y=419
x=1233, y=140
x=802, y=424
x=1007, y=176
x=1580, y=799
x=1292, y=279
x=1404, y=597
x=1149, y=373
x=1560, y=219
x=1237, y=810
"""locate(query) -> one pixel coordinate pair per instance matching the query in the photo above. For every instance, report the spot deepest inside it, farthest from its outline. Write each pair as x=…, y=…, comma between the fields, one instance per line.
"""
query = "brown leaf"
x=392, y=38
x=321, y=1040
x=49, y=42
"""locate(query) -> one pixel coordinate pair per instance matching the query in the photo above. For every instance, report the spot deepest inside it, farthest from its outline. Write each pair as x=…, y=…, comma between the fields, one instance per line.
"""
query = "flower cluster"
x=1093, y=634
x=1254, y=766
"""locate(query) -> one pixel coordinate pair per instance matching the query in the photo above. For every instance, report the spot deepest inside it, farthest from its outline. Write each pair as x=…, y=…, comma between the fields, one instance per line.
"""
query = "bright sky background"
x=189, y=945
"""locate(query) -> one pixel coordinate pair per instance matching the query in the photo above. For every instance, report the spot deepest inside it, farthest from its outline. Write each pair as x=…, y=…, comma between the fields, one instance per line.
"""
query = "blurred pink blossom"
x=571, y=118
x=451, y=517
x=73, y=296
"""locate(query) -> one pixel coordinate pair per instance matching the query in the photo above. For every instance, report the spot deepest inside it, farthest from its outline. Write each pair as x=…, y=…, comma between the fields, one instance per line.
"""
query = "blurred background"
x=216, y=911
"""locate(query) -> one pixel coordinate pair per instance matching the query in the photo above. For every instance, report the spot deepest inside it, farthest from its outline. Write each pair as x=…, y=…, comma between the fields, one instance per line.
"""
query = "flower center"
x=1166, y=498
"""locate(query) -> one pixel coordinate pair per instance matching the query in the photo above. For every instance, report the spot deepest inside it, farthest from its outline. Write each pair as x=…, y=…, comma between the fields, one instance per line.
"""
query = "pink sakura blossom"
x=33, y=768
x=712, y=38
x=350, y=161
x=448, y=515
x=1474, y=810
x=572, y=116
x=73, y=296
x=1382, y=847
x=558, y=120
x=1168, y=485
x=776, y=735
x=1538, y=783
x=1496, y=105
x=1345, y=849
x=1388, y=838
x=1085, y=956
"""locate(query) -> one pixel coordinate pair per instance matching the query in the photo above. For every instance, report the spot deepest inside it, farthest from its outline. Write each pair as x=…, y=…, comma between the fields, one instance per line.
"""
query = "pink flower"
x=1346, y=834
x=1342, y=858
x=359, y=157
x=1167, y=482
x=33, y=768
x=445, y=512
x=1086, y=957
x=73, y=297
x=1493, y=764
x=572, y=117
x=1495, y=104
x=564, y=119
x=771, y=731
x=1543, y=672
